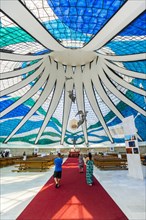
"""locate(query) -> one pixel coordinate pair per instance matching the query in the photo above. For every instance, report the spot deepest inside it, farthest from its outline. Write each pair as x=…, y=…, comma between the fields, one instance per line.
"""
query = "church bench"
x=35, y=164
x=108, y=163
x=8, y=161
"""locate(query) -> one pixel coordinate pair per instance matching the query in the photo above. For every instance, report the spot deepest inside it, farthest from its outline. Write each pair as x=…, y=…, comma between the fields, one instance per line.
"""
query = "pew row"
x=9, y=161
x=35, y=164
x=110, y=163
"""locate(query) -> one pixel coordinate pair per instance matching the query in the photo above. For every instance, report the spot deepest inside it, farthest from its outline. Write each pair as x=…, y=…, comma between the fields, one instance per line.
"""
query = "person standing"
x=89, y=170
x=58, y=170
x=81, y=163
x=24, y=155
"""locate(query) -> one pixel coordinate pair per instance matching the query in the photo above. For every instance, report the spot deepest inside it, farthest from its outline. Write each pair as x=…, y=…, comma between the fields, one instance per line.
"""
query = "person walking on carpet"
x=89, y=170
x=81, y=163
x=58, y=170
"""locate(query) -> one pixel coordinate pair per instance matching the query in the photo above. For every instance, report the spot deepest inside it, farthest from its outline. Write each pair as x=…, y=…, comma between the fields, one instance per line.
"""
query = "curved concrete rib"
x=122, y=82
x=27, y=95
x=20, y=57
x=79, y=97
x=67, y=102
x=123, y=71
x=55, y=100
x=99, y=88
x=40, y=101
x=125, y=58
x=94, y=104
x=20, y=15
x=15, y=73
x=23, y=83
x=129, y=11
x=117, y=93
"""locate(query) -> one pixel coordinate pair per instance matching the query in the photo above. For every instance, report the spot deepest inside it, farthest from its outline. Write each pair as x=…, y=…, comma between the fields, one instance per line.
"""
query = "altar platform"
x=74, y=153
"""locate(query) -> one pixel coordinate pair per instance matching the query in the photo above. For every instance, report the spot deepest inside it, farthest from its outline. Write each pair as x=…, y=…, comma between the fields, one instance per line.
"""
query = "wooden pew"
x=9, y=161
x=110, y=163
x=35, y=164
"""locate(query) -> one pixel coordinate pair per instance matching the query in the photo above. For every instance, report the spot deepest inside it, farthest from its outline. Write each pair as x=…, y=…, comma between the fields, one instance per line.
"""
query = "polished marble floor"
x=18, y=189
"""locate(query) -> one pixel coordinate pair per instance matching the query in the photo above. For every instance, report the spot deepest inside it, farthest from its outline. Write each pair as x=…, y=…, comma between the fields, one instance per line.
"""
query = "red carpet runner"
x=74, y=199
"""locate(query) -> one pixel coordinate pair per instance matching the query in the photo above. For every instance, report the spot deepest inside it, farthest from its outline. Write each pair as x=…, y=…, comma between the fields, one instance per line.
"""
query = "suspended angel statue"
x=83, y=117
x=80, y=122
x=72, y=96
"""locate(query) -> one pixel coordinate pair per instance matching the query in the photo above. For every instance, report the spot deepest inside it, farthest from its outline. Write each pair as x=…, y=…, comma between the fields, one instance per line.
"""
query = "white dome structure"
x=59, y=58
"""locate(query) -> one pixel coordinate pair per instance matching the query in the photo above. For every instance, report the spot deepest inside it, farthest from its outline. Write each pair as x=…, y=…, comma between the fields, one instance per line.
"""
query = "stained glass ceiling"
x=71, y=71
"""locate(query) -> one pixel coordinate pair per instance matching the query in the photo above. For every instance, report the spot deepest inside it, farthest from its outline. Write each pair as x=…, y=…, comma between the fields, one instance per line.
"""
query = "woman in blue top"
x=58, y=170
x=89, y=170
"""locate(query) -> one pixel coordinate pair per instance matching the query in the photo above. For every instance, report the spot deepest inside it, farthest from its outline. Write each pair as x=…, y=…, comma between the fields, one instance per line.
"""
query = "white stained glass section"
x=105, y=51
x=46, y=104
x=40, y=9
x=91, y=117
x=21, y=92
x=113, y=98
x=71, y=43
x=6, y=66
x=104, y=109
x=5, y=21
x=129, y=38
x=25, y=48
x=59, y=110
x=6, y=83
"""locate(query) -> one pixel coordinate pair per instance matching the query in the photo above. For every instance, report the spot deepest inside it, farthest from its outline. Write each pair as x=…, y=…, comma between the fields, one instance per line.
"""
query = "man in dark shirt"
x=58, y=170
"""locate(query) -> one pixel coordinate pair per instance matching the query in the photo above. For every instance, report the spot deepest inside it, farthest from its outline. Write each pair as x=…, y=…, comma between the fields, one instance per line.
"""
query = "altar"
x=74, y=153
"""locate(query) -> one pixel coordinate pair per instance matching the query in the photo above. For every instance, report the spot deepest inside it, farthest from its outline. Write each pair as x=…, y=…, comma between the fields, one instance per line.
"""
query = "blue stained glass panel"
x=68, y=33
x=137, y=27
x=138, y=66
x=127, y=47
x=96, y=10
